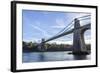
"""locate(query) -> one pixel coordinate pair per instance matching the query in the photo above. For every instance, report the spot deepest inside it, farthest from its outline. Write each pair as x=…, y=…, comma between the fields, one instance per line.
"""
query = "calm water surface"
x=51, y=56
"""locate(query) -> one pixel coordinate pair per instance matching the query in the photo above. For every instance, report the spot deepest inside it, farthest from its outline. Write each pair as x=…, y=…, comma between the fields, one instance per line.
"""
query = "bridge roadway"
x=83, y=28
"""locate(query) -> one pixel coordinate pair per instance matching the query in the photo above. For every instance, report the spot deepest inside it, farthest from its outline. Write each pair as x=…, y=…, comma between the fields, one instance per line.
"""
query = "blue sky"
x=45, y=24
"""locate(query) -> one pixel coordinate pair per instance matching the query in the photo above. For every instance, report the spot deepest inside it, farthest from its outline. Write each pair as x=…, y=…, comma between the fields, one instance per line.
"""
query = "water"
x=51, y=56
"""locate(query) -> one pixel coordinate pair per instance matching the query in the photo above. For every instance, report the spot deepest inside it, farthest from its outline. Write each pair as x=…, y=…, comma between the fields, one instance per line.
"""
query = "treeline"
x=33, y=47
x=57, y=47
x=29, y=46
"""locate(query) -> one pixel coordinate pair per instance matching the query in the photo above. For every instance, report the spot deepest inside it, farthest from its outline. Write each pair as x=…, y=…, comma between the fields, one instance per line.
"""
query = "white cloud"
x=37, y=23
x=87, y=37
x=60, y=23
x=57, y=26
x=87, y=41
x=32, y=40
x=41, y=30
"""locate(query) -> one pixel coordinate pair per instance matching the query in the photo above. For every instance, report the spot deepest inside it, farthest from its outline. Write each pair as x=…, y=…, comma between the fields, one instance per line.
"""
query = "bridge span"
x=78, y=37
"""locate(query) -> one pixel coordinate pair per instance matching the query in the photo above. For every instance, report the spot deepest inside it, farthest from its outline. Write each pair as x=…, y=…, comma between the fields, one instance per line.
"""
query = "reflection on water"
x=78, y=57
x=51, y=56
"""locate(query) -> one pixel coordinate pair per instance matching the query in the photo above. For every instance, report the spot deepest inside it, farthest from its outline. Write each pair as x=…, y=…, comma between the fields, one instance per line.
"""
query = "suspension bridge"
x=78, y=34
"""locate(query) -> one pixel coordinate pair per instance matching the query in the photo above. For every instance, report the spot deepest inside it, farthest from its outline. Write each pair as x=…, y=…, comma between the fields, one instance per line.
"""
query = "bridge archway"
x=87, y=36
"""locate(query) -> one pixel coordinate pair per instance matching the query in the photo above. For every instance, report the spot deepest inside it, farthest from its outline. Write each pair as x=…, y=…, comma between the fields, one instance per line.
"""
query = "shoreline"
x=70, y=52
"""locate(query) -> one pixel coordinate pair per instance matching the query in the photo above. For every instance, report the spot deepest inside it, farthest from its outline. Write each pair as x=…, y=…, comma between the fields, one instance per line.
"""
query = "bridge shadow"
x=80, y=57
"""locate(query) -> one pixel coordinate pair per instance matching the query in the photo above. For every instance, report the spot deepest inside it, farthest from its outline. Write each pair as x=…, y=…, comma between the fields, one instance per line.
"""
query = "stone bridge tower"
x=79, y=46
